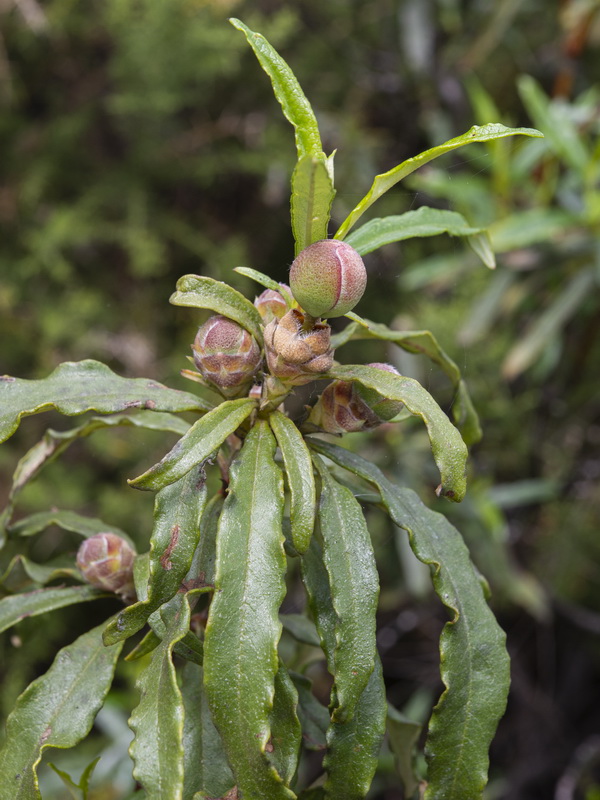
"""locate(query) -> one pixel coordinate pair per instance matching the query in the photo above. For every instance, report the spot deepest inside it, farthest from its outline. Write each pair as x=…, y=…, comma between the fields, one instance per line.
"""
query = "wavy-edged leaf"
x=353, y=747
x=177, y=512
x=68, y=521
x=199, y=291
x=354, y=583
x=206, y=768
x=79, y=386
x=157, y=721
x=243, y=628
x=423, y=222
x=286, y=734
x=299, y=471
x=423, y=343
x=449, y=450
x=56, y=710
x=204, y=437
x=313, y=715
x=259, y=277
x=382, y=183
x=474, y=662
x=292, y=99
x=403, y=734
x=17, y=607
x=312, y=196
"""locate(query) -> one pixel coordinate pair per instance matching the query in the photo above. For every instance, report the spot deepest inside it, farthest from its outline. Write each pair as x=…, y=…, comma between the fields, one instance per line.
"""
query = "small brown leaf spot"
x=45, y=735
x=134, y=404
x=7, y=379
x=449, y=493
x=150, y=404
x=269, y=747
x=165, y=560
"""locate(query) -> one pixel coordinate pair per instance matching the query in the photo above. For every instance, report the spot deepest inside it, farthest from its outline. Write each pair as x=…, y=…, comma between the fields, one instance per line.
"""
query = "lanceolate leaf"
x=423, y=343
x=259, y=277
x=177, y=512
x=56, y=710
x=157, y=722
x=448, y=448
x=350, y=564
x=286, y=734
x=68, y=521
x=292, y=99
x=22, y=572
x=299, y=470
x=301, y=628
x=197, y=291
x=474, y=662
x=313, y=715
x=243, y=629
x=312, y=196
x=385, y=181
x=16, y=607
x=403, y=734
x=79, y=386
x=199, y=443
x=353, y=747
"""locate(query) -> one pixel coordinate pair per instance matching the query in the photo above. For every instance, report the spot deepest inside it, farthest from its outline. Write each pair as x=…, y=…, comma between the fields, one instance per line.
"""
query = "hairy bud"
x=328, y=278
x=226, y=355
x=106, y=561
x=295, y=355
x=271, y=304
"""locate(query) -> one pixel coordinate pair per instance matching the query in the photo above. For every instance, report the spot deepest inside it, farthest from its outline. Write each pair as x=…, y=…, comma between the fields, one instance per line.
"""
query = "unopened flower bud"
x=226, y=355
x=106, y=561
x=271, y=304
x=383, y=407
x=328, y=278
x=295, y=355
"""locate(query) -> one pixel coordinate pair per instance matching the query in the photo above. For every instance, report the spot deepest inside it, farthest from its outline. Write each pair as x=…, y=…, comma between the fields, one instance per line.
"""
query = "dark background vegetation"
x=141, y=141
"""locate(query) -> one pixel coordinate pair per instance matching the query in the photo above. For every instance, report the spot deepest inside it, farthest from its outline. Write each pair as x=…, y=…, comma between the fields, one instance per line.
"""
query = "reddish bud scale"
x=294, y=355
x=328, y=278
x=226, y=355
x=106, y=561
x=271, y=305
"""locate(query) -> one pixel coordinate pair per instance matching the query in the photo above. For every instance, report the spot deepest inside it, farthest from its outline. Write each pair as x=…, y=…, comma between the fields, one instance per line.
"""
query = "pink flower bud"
x=226, y=355
x=328, y=278
x=384, y=408
x=271, y=305
x=295, y=355
x=106, y=561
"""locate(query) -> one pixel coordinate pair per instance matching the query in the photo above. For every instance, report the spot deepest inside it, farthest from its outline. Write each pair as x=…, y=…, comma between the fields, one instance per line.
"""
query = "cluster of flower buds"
x=297, y=355
x=226, y=355
x=347, y=407
x=106, y=561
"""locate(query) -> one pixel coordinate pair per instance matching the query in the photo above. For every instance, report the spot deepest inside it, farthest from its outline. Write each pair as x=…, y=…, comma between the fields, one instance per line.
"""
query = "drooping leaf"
x=382, y=183
x=81, y=788
x=354, y=584
x=56, y=710
x=312, y=196
x=292, y=99
x=403, y=734
x=243, y=628
x=474, y=662
x=16, y=607
x=197, y=445
x=313, y=715
x=199, y=291
x=301, y=628
x=353, y=747
x=286, y=734
x=260, y=278
x=79, y=386
x=22, y=572
x=157, y=721
x=420, y=223
x=449, y=450
x=423, y=343
x=301, y=482
x=177, y=512
x=68, y=521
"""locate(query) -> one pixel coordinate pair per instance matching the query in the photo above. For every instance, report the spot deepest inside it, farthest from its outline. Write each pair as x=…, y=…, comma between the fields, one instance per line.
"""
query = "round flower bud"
x=226, y=355
x=106, y=561
x=383, y=407
x=328, y=278
x=271, y=305
x=295, y=355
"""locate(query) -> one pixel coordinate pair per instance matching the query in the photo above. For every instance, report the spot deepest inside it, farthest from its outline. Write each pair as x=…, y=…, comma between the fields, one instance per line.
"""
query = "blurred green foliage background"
x=140, y=141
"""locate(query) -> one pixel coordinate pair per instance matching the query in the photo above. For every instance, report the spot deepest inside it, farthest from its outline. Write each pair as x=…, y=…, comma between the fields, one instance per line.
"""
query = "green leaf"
x=22, y=572
x=301, y=628
x=474, y=662
x=299, y=471
x=403, y=735
x=423, y=343
x=197, y=291
x=79, y=386
x=312, y=196
x=353, y=747
x=177, y=513
x=350, y=564
x=448, y=448
x=286, y=733
x=205, y=765
x=56, y=710
x=382, y=183
x=420, y=223
x=204, y=437
x=82, y=787
x=16, y=607
x=157, y=722
x=149, y=643
x=260, y=278
x=68, y=521
x=292, y=99
x=202, y=569
x=313, y=715
x=243, y=628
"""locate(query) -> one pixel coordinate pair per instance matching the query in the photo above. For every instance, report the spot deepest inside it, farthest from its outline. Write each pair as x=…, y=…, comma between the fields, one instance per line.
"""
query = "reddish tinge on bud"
x=106, y=561
x=295, y=355
x=328, y=278
x=226, y=355
x=271, y=304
